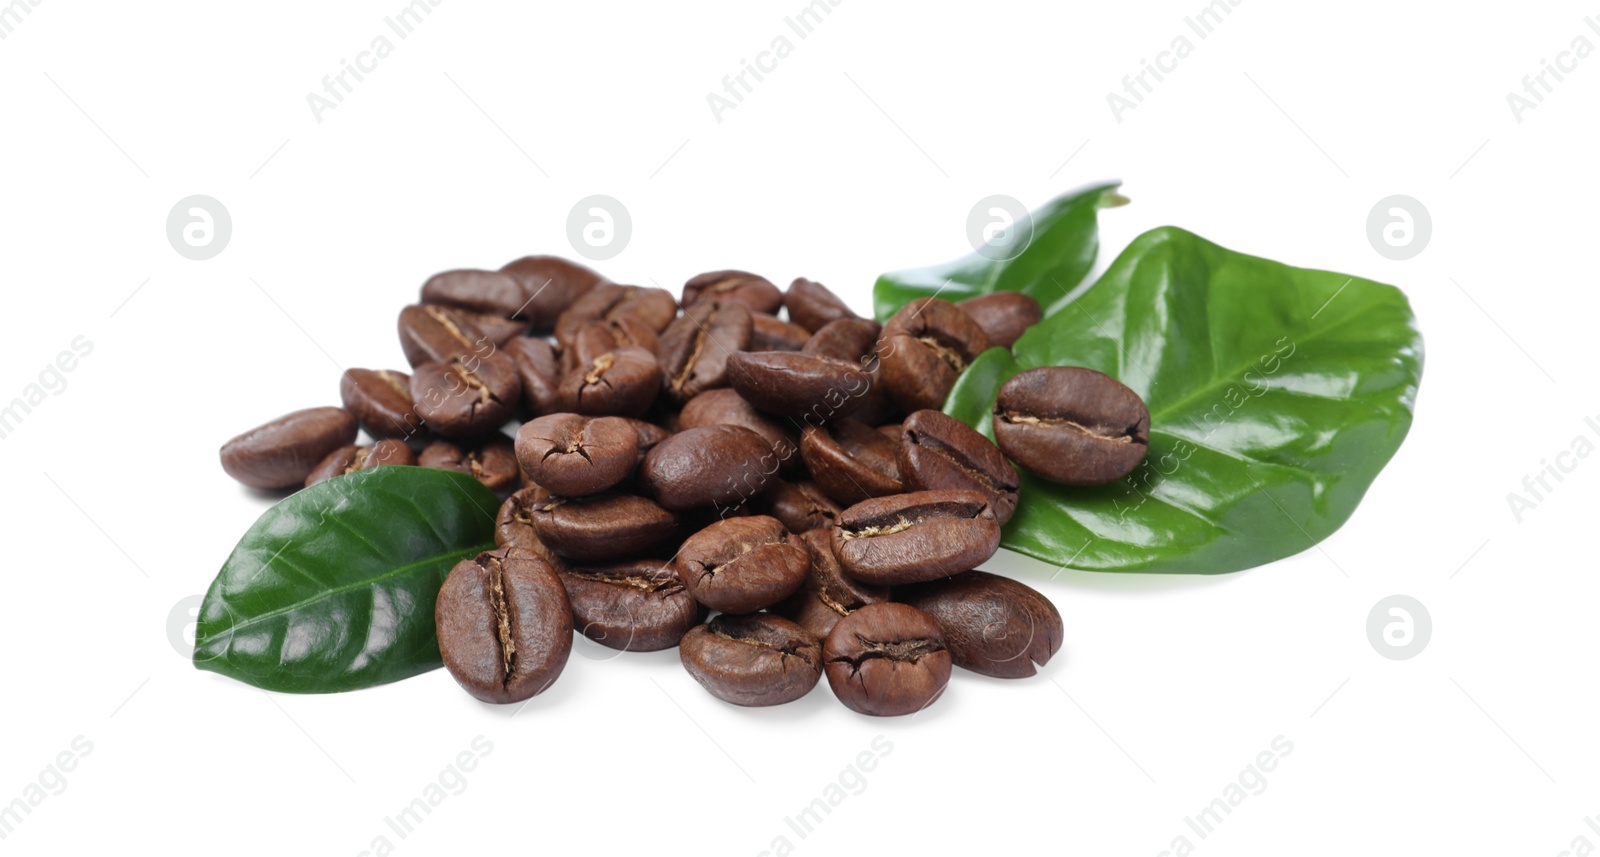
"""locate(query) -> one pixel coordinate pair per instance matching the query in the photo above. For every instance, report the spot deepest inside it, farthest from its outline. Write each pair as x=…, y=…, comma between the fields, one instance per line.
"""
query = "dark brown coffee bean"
x=636, y=606
x=757, y=293
x=492, y=462
x=694, y=349
x=597, y=337
x=886, y=660
x=939, y=452
x=654, y=308
x=649, y=435
x=770, y=333
x=513, y=525
x=499, y=330
x=283, y=452
x=439, y=334
x=1071, y=425
x=992, y=625
x=1004, y=316
x=727, y=407
x=602, y=528
x=380, y=401
x=349, y=459
x=488, y=292
x=812, y=305
x=740, y=565
x=925, y=347
x=851, y=461
x=538, y=372
x=549, y=285
x=505, y=625
x=467, y=398
x=801, y=506
x=796, y=385
x=624, y=382
x=576, y=455
x=828, y=594
x=909, y=538
x=708, y=466
x=759, y=659
x=850, y=339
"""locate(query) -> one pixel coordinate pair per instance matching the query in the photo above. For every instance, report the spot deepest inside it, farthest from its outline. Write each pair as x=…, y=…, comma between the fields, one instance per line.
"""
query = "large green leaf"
x=1276, y=395
x=333, y=588
x=1059, y=245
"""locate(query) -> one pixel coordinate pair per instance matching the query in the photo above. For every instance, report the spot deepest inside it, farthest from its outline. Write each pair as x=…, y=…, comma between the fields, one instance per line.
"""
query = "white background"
x=862, y=152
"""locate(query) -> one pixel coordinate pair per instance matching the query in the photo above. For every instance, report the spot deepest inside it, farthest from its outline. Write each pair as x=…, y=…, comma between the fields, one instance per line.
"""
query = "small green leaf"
x=333, y=588
x=1276, y=396
x=1059, y=255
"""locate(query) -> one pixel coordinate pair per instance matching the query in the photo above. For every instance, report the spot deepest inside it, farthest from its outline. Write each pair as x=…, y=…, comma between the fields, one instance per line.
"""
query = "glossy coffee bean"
x=574, y=455
x=828, y=594
x=636, y=606
x=624, y=382
x=770, y=333
x=654, y=308
x=886, y=660
x=1070, y=425
x=283, y=452
x=349, y=459
x=727, y=407
x=513, y=525
x=801, y=506
x=694, y=349
x=467, y=398
x=910, y=538
x=925, y=347
x=649, y=435
x=381, y=401
x=602, y=528
x=719, y=466
x=1004, y=316
x=537, y=371
x=849, y=339
x=939, y=452
x=851, y=461
x=504, y=624
x=439, y=334
x=812, y=305
x=992, y=625
x=498, y=330
x=549, y=285
x=759, y=659
x=492, y=462
x=489, y=292
x=740, y=565
x=597, y=337
x=757, y=293
x=797, y=385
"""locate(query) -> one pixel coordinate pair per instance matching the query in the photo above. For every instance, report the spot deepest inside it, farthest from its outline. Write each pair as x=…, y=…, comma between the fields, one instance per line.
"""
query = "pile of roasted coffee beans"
x=678, y=459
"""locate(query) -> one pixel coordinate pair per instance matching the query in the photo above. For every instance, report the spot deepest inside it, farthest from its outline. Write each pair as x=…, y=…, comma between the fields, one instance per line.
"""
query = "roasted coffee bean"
x=438, y=334
x=925, y=347
x=602, y=528
x=812, y=305
x=886, y=659
x=991, y=624
x=654, y=308
x=757, y=293
x=649, y=435
x=1070, y=425
x=759, y=659
x=793, y=384
x=636, y=606
x=624, y=382
x=499, y=330
x=828, y=594
x=467, y=398
x=851, y=461
x=740, y=565
x=909, y=538
x=801, y=506
x=711, y=465
x=283, y=452
x=381, y=401
x=694, y=349
x=727, y=407
x=597, y=337
x=349, y=459
x=575, y=455
x=488, y=292
x=939, y=451
x=851, y=339
x=504, y=624
x=549, y=285
x=538, y=372
x=492, y=462
x=513, y=525
x=1004, y=316
x=770, y=333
